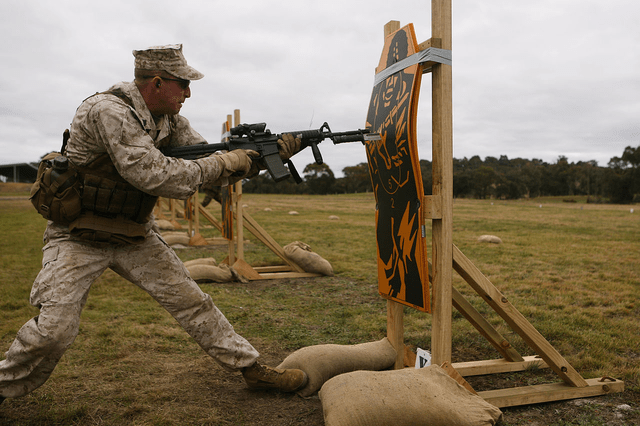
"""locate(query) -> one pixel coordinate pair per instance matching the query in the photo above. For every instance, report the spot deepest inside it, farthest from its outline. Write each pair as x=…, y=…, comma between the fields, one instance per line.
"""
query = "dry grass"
x=570, y=268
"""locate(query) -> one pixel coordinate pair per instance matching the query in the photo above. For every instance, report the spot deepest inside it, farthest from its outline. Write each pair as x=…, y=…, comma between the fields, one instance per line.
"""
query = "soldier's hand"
x=237, y=163
x=256, y=165
x=227, y=168
x=288, y=146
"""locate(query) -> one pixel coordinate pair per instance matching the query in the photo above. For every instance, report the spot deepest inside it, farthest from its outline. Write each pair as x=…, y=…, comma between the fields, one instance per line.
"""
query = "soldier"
x=113, y=145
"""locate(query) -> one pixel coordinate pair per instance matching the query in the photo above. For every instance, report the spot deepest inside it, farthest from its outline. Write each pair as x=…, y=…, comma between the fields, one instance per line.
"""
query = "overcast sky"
x=535, y=79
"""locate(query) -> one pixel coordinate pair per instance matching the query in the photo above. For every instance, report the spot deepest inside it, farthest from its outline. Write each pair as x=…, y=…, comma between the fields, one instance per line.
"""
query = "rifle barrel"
x=355, y=136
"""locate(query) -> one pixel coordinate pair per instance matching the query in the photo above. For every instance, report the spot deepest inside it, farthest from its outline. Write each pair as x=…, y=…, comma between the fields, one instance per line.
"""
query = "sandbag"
x=204, y=271
x=165, y=224
x=322, y=362
x=307, y=259
x=202, y=261
x=406, y=397
x=172, y=238
x=489, y=239
x=208, y=273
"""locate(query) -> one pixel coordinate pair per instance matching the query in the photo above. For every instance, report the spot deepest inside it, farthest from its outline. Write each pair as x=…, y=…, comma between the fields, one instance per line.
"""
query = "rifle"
x=260, y=139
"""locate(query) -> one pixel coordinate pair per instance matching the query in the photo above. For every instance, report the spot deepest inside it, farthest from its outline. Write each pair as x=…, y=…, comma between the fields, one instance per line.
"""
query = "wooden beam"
x=209, y=217
x=266, y=239
x=432, y=42
x=484, y=327
x=395, y=330
x=515, y=319
x=189, y=215
x=550, y=392
x=495, y=366
x=196, y=212
x=246, y=270
x=238, y=202
x=455, y=375
x=391, y=27
x=432, y=207
x=442, y=173
x=276, y=275
x=267, y=273
x=481, y=324
x=273, y=268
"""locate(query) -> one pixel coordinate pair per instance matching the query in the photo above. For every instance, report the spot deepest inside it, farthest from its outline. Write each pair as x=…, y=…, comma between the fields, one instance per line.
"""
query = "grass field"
x=573, y=269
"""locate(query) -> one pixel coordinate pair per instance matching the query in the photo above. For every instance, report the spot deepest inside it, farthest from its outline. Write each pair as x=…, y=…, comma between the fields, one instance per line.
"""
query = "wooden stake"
x=442, y=156
x=232, y=249
x=238, y=203
x=196, y=211
x=395, y=330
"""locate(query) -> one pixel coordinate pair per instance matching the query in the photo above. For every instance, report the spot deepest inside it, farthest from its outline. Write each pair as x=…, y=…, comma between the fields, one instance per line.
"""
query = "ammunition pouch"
x=113, y=210
x=56, y=194
x=95, y=202
x=111, y=198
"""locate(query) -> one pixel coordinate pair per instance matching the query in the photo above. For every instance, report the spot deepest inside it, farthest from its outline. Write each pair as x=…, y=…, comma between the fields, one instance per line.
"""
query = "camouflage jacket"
x=128, y=133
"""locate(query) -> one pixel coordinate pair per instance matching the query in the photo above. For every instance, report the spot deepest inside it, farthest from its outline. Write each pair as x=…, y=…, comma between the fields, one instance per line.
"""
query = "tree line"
x=499, y=178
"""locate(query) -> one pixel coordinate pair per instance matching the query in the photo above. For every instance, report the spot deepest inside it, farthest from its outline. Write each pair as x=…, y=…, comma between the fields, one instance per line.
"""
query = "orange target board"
x=394, y=167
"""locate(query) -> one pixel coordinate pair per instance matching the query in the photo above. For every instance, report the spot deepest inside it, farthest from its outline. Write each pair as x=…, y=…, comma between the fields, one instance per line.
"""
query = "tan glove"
x=255, y=164
x=237, y=163
x=227, y=168
x=288, y=146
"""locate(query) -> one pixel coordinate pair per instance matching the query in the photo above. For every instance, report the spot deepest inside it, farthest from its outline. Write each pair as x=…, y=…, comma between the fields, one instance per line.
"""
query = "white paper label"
x=423, y=358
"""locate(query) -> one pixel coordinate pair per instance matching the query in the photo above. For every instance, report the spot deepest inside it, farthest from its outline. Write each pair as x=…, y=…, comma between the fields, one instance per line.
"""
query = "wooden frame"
x=447, y=258
x=241, y=220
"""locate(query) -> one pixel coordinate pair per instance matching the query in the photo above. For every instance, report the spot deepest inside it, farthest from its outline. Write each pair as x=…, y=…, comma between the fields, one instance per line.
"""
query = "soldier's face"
x=171, y=95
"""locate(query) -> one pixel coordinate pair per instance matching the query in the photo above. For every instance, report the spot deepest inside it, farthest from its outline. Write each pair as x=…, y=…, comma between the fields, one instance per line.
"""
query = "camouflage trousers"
x=60, y=292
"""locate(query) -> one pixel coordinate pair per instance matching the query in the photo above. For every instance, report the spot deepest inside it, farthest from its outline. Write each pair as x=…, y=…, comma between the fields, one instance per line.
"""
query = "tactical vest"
x=113, y=210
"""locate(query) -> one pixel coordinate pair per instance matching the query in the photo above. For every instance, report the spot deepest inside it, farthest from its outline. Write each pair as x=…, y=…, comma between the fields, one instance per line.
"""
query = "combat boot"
x=260, y=376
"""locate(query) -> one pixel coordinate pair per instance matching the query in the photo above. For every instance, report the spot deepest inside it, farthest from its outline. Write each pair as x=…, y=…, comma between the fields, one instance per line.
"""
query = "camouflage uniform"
x=129, y=134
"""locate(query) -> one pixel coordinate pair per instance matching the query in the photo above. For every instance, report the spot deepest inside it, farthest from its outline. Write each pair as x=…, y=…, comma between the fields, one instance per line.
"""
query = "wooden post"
x=395, y=330
x=188, y=216
x=232, y=248
x=196, y=212
x=238, y=204
x=442, y=228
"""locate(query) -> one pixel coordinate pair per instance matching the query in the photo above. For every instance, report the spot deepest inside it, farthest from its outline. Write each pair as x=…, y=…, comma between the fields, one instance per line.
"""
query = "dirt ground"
x=201, y=393
x=621, y=409
x=273, y=408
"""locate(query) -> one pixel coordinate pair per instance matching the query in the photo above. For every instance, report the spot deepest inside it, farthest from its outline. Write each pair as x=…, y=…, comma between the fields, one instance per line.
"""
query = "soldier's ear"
x=157, y=81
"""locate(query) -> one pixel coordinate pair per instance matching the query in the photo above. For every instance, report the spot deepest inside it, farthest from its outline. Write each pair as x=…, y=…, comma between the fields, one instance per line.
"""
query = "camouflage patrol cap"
x=167, y=58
